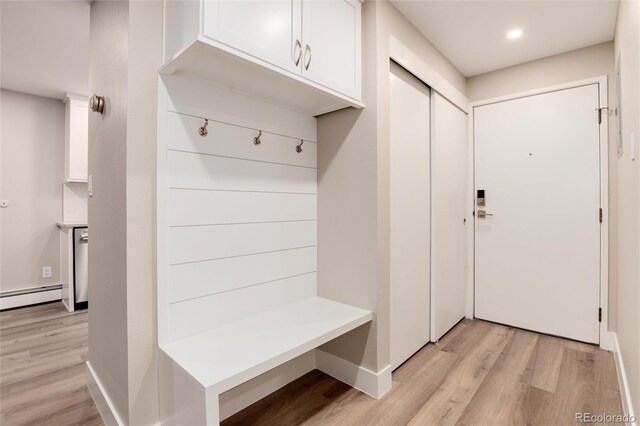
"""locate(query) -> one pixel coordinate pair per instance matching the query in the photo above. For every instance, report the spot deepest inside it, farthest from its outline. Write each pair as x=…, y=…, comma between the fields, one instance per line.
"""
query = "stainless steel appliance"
x=80, y=267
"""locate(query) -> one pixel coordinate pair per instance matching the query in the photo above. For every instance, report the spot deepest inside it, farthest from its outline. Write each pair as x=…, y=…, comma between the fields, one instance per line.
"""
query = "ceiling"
x=472, y=34
x=45, y=44
x=45, y=47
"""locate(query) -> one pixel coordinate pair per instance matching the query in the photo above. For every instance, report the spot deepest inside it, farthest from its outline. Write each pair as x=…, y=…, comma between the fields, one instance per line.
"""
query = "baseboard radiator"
x=30, y=296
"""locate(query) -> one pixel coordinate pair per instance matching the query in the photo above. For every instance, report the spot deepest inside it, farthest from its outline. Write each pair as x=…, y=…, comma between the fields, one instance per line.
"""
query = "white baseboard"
x=373, y=384
x=623, y=382
x=64, y=302
x=107, y=411
x=242, y=396
x=608, y=341
x=32, y=298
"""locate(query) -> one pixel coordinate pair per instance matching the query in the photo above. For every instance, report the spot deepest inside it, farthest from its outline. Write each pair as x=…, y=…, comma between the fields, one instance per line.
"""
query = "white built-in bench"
x=203, y=366
x=238, y=308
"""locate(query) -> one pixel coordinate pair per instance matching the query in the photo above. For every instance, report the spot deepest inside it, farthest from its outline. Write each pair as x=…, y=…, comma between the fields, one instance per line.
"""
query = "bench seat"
x=223, y=358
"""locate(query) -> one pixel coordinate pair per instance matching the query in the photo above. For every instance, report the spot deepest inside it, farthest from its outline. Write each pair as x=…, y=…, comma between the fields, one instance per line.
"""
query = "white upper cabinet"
x=303, y=54
x=266, y=29
x=331, y=36
x=76, y=138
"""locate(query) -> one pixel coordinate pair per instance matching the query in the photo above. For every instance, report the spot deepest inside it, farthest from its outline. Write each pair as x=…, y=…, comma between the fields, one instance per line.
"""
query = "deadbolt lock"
x=481, y=201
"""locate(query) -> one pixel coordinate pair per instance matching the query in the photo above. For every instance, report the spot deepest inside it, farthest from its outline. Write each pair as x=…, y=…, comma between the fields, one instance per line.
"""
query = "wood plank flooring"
x=479, y=374
x=43, y=350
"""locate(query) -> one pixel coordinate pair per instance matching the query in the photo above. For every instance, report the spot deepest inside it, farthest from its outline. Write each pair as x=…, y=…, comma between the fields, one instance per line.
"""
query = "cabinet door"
x=331, y=44
x=265, y=29
x=77, y=139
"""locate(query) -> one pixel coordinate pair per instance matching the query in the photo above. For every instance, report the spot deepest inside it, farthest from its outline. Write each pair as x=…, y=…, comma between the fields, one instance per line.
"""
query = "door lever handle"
x=483, y=214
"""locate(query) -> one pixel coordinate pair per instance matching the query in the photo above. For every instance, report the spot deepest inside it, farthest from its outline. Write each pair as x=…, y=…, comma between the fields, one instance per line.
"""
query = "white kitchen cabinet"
x=304, y=54
x=266, y=29
x=76, y=138
x=331, y=38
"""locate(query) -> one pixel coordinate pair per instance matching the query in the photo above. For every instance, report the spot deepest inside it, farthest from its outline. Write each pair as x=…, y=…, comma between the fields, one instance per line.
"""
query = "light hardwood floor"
x=480, y=374
x=42, y=371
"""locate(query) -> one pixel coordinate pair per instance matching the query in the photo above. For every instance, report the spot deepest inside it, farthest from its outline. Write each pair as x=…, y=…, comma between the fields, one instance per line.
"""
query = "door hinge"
x=600, y=215
x=600, y=113
x=599, y=314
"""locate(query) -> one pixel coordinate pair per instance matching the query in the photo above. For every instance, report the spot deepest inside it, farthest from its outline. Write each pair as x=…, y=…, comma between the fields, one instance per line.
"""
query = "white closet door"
x=538, y=257
x=449, y=139
x=410, y=215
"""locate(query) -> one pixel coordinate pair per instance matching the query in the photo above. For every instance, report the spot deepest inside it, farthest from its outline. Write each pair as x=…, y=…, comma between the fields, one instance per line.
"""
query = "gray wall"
x=353, y=187
x=145, y=54
x=108, y=341
x=575, y=65
x=627, y=263
x=31, y=175
x=126, y=40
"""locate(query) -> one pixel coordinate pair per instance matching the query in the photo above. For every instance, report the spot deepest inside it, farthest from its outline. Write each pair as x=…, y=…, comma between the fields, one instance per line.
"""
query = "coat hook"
x=256, y=140
x=203, y=130
x=299, y=147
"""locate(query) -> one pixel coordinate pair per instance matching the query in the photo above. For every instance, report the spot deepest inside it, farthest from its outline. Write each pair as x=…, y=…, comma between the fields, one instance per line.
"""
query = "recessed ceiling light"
x=514, y=33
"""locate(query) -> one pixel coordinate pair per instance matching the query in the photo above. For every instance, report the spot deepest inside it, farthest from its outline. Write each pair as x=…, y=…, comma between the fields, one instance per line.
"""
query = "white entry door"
x=537, y=263
x=410, y=215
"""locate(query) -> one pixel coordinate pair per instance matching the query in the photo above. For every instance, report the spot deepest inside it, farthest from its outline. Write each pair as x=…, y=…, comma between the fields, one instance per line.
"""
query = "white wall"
x=353, y=187
x=627, y=263
x=74, y=202
x=32, y=170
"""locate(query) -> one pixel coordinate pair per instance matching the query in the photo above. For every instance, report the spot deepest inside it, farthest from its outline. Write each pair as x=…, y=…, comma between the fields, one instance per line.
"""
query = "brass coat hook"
x=299, y=147
x=202, y=131
x=256, y=140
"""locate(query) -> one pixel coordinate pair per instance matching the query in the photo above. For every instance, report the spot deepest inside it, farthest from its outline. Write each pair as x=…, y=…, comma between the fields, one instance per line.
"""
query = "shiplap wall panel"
x=201, y=99
x=204, y=313
x=216, y=207
x=235, y=141
x=198, y=243
x=200, y=171
x=238, y=220
x=191, y=280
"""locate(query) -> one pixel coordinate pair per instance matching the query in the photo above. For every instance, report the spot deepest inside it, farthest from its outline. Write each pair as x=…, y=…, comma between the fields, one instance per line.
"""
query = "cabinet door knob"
x=307, y=56
x=297, y=49
x=96, y=103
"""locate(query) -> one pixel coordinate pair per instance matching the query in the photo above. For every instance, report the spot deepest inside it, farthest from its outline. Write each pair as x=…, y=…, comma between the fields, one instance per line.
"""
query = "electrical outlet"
x=46, y=272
